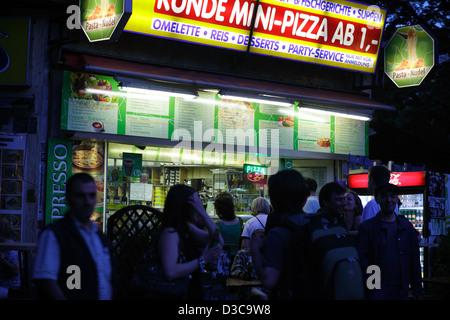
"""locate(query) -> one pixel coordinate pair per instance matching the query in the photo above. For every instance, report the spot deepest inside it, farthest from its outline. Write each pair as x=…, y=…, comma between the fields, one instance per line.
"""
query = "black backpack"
x=325, y=261
x=300, y=273
x=335, y=259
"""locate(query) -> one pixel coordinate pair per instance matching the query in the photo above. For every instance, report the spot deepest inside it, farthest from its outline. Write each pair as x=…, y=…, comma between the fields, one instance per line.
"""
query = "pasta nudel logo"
x=409, y=56
x=104, y=19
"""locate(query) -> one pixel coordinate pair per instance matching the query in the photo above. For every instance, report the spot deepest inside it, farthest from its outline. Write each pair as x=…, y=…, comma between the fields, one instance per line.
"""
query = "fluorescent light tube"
x=168, y=93
x=255, y=98
x=337, y=114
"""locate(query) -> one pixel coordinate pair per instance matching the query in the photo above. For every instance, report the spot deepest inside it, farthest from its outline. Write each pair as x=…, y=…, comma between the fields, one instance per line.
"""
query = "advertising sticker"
x=409, y=56
x=104, y=19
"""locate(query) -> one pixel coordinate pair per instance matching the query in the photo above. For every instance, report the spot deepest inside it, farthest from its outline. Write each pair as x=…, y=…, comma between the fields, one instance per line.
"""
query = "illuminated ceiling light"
x=342, y=114
x=256, y=98
x=167, y=92
x=147, y=88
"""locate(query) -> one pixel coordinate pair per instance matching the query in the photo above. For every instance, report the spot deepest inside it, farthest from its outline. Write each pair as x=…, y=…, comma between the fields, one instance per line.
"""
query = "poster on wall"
x=65, y=158
x=89, y=157
x=132, y=165
x=97, y=104
x=438, y=203
x=12, y=181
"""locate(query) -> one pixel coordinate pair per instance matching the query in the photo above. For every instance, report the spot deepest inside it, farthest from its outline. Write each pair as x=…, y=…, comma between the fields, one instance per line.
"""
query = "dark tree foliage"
x=418, y=131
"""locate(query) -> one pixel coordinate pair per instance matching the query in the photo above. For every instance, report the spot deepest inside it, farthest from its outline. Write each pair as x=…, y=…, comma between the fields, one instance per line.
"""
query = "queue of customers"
x=187, y=233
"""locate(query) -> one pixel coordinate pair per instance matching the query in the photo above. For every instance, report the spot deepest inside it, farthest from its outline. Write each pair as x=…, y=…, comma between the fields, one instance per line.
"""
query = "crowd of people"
x=261, y=249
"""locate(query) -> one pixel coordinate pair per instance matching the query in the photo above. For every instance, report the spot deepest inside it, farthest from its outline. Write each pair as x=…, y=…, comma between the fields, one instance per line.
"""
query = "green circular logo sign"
x=409, y=56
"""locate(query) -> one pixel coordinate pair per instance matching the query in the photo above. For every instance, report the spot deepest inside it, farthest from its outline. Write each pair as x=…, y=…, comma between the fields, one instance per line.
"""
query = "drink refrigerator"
x=424, y=202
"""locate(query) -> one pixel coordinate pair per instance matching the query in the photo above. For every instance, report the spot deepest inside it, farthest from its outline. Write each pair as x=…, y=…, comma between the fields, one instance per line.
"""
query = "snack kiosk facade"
x=175, y=105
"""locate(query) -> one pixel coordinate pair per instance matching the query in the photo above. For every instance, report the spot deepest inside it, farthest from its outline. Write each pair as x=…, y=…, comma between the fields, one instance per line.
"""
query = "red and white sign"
x=336, y=33
x=400, y=179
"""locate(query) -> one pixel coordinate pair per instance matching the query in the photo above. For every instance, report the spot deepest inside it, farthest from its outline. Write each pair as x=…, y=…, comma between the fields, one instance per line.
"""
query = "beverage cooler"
x=423, y=203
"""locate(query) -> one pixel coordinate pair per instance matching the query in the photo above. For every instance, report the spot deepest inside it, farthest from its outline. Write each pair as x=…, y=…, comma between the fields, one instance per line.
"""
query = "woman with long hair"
x=352, y=211
x=180, y=238
x=229, y=224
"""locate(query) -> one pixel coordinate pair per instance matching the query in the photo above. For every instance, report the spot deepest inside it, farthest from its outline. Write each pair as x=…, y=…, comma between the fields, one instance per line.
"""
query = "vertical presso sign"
x=59, y=169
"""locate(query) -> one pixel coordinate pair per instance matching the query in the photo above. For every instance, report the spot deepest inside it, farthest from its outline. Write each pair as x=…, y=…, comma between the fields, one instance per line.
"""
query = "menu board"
x=147, y=117
x=95, y=103
x=350, y=136
x=314, y=132
x=195, y=116
x=236, y=122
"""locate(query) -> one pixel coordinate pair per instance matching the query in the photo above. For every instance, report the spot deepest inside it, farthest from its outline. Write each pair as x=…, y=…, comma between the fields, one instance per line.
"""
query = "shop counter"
x=236, y=282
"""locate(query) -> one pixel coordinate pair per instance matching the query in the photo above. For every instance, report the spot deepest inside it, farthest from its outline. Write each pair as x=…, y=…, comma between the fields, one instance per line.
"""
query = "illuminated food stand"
x=174, y=114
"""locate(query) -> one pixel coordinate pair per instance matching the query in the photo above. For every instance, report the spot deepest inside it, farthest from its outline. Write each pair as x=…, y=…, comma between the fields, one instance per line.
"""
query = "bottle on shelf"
x=114, y=174
x=116, y=197
x=124, y=199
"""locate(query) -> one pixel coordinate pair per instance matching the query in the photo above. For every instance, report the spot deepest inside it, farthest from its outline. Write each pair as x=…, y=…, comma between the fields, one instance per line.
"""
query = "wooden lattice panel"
x=131, y=230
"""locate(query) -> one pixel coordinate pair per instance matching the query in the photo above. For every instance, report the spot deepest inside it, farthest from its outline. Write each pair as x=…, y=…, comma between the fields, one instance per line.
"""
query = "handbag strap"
x=260, y=222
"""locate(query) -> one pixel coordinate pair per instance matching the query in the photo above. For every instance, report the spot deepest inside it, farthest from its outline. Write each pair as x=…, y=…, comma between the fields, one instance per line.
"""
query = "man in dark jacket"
x=273, y=256
x=390, y=242
x=73, y=258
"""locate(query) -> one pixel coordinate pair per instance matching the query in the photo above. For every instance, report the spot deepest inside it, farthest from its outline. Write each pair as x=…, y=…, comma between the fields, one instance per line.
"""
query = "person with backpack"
x=332, y=203
x=337, y=270
x=260, y=210
x=275, y=253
